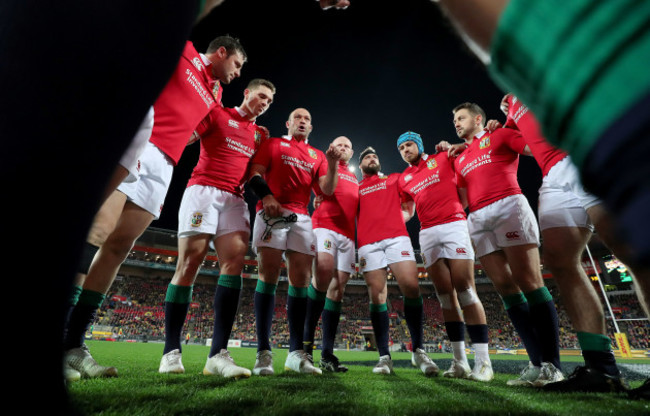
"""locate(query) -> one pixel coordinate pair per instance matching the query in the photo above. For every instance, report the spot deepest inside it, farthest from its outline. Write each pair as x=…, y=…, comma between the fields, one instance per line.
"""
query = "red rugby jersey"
x=380, y=209
x=186, y=99
x=227, y=147
x=338, y=212
x=292, y=168
x=431, y=183
x=488, y=167
x=521, y=118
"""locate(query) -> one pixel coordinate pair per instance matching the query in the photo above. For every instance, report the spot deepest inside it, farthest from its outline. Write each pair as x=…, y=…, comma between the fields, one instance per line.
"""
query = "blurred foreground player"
x=213, y=210
x=57, y=147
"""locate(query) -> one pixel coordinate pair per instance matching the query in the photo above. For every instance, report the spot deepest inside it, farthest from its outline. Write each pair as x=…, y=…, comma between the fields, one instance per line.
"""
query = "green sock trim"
x=382, y=307
x=537, y=296
x=297, y=292
x=265, y=288
x=74, y=294
x=230, y=280
x=513, y=300
x=594, y=342
x=332, y=305
x=179, y=294
x=315, y=294
x=413, y=301
x=91, y=298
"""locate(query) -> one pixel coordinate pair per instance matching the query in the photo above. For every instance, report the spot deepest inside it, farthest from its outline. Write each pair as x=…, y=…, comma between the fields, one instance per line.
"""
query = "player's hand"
x=442, y=146
x=456, y=149
x=504, y=106
x=492, y=125
x=317, y=201
x=333, y=154
x=339, y=4
x=271, y=206
x=265, y=132
x=194, y=137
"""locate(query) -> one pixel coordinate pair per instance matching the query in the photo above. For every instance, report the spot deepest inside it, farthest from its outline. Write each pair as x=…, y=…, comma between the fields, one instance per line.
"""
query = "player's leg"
x=525, y=265
x=270, y=263
x=440, y=275
x=462, y=276
x=378, y=293
x=231, y=250
x=324, y=270
x=608, y=230
x=495, y=265
x=191, y=252
x=406, y=275
x=299, y=266
x=563, y=247
x=133, y=222
x=330, y=320
x=103, y=224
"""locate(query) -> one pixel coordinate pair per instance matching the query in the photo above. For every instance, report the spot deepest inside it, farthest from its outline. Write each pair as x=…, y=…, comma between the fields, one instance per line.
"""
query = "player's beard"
x=371, y=170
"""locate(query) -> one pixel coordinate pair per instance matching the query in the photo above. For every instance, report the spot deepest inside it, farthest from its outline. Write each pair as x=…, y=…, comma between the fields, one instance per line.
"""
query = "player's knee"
x=188, y=266
x=467, y=297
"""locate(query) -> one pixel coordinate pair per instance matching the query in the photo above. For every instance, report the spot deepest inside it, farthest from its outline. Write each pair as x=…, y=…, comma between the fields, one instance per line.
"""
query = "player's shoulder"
x=504, y=133
x=408, y=171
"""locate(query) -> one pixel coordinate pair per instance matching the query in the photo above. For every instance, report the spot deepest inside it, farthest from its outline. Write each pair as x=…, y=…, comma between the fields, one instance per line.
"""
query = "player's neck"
x=246, y=113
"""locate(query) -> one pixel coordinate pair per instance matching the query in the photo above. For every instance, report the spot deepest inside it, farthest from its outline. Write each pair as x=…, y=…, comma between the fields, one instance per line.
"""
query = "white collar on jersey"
x=287, y=137
x=478, y=136
x=205, y=60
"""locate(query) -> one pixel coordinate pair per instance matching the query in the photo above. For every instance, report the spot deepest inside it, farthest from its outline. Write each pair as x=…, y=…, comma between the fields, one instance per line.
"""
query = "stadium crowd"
x=134, y=310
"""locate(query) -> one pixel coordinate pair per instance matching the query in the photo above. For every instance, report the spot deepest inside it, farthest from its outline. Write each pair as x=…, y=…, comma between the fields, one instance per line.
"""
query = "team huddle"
x=466, y=196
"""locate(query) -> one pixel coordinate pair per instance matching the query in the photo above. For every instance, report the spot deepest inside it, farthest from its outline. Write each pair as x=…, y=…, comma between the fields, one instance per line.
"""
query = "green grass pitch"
x=141, y=390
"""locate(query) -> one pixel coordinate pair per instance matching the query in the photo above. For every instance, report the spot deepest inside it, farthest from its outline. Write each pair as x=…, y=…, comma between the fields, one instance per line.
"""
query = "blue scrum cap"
x=410, y=136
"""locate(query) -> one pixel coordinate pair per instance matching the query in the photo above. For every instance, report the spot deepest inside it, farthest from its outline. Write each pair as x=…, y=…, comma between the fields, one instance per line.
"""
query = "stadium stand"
x=134, y=308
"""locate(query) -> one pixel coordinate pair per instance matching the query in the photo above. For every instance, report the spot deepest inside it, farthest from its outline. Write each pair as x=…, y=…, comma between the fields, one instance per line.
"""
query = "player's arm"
x=475, y=21
x=517, y=143
x=339, y=4
x=462, y=195
x=261, y=189
x=329, y=181
x=408, y=210
x=208, y=5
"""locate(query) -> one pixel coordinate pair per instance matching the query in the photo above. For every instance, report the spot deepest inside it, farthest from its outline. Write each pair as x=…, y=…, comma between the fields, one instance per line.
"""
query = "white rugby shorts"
x=382, y=253
x=209, y=210
x=562, y=199
x=339, y=246
x=132, y=154
x=505, y=223
x=150, y=189
x=447, y=241
x=295, y=236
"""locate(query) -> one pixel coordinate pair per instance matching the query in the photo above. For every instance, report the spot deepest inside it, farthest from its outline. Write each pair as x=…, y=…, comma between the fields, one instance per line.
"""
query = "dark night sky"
x=369, y=73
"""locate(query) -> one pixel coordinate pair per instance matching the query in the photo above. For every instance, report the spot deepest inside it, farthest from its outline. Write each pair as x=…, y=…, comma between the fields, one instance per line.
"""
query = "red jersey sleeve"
x=263, y=154
x=513, y=139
